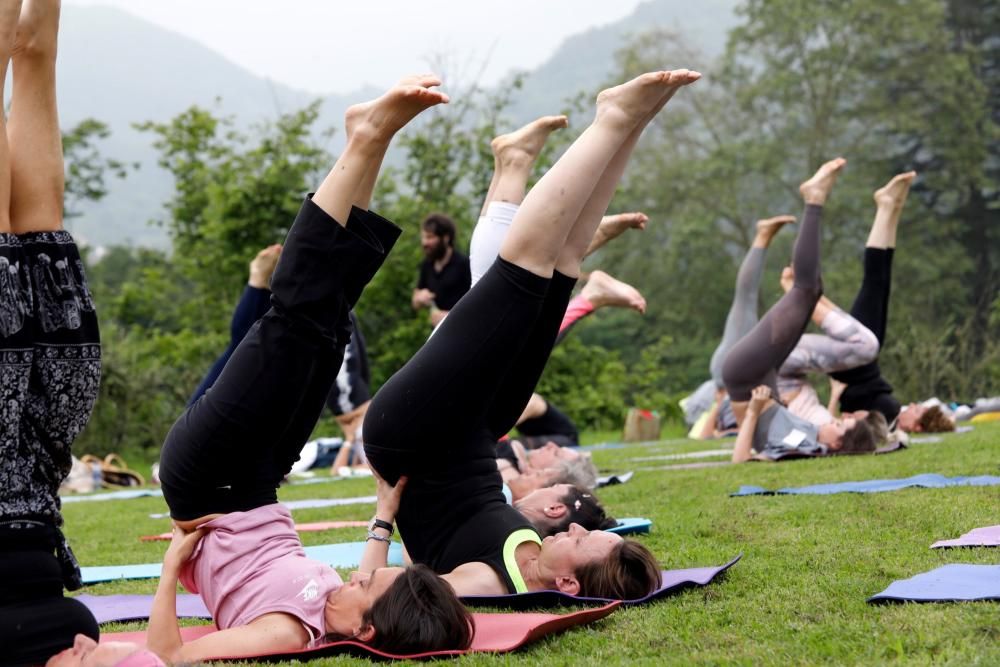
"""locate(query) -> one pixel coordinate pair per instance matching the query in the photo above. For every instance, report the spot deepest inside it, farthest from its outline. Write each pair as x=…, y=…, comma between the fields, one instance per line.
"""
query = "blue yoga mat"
x=928, y=481
x=346, y=554
x=949, y=583
x=124, y=494
x=328, y=502
x=631, y=525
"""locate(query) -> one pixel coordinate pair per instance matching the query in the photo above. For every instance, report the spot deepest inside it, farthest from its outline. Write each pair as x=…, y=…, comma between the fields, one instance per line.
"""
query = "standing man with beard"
x=445, y=275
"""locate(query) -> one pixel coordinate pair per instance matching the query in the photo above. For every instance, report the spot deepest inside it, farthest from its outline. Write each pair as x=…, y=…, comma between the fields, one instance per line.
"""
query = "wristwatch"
x=379, y=523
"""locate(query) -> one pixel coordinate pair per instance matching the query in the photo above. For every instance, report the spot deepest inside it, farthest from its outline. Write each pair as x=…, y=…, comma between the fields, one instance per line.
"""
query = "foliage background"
x=891, y=85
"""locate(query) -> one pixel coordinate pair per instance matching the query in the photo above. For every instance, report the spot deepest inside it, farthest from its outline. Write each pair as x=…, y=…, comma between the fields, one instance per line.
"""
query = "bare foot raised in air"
x=613, y=226
x=262, y=266
x=379, y=119
x=635, y=102
x=37, y=29
x=522, y=146
x=603, y=290
x=767, y=228
x=893, y=194
x=818, y=187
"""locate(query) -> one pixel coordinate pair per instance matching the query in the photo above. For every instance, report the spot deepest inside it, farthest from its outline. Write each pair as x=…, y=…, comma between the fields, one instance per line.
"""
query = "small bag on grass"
x=641, y=425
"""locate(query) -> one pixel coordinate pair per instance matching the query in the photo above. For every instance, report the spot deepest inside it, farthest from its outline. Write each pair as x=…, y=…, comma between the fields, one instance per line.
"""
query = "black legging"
x=229, y=450
x=754, y=360
x=347, y=393
x=438, y=418
x=867, y=389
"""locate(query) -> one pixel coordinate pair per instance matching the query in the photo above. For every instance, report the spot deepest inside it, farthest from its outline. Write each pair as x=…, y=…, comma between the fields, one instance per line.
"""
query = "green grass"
x=798, y=595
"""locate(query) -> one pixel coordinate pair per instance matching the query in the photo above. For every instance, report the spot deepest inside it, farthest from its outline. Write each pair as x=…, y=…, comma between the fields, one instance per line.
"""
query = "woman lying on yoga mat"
x=476, y=373
x=749, y=370
x=50, y=350
x=223, y=460
x=711, y=396
x=865, y=387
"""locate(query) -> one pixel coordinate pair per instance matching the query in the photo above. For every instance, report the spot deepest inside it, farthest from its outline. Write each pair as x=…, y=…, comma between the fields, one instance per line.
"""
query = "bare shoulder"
x=475, y=579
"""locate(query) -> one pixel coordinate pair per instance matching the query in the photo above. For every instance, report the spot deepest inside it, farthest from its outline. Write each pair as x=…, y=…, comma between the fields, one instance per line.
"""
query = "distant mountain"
x=121, y=69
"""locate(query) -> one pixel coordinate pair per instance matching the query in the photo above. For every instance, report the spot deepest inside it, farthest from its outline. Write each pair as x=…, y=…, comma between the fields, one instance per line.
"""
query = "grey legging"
x=756, y=357
x=743, y=313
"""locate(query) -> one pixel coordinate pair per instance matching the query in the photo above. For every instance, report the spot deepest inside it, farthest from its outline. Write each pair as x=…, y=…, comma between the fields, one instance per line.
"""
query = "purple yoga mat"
x=980, y=537
x=950, y=583
x=108, y=608
x=673, y=581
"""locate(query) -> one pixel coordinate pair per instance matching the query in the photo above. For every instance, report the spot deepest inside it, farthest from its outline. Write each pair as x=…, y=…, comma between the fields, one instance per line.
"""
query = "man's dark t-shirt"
x=450, y=284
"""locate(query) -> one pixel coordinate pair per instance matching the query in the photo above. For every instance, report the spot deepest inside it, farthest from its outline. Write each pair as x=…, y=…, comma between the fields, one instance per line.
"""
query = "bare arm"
x=709, y=430
x=836, y=391
x=759, y=402
x=376, y=552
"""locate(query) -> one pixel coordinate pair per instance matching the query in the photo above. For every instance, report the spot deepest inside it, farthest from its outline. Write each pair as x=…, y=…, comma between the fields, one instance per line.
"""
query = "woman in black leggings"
x=750, y=368
x=866, y=388
x=223, y=460
x=50, y=350
x=438, y=419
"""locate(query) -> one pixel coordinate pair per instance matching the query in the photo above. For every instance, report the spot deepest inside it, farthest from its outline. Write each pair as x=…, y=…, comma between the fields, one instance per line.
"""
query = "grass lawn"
x=798, y=595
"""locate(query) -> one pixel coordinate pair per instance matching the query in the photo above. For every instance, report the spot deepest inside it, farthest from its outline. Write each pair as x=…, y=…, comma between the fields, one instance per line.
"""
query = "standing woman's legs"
x=248, y=430
x=9, y=13
x=55, y=389
x=743, y=313
x=755, y=358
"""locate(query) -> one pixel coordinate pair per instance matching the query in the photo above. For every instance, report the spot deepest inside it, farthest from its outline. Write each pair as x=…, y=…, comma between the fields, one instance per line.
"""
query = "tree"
x=85, y=168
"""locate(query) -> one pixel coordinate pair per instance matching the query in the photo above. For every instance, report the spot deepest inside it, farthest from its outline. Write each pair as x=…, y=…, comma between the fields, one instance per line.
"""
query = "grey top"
x=781, y=434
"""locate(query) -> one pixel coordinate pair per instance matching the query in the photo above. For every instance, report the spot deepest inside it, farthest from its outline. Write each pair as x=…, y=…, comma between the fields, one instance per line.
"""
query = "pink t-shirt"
x=252, y=563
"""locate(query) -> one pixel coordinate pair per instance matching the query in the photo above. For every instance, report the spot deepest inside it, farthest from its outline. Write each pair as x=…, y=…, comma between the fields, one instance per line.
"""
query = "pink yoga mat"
x=494, y=633
x=300, y=527
x=980, y=537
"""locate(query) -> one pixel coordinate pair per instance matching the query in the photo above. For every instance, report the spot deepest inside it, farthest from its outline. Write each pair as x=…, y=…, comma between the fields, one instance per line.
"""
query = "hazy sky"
x=336, y=45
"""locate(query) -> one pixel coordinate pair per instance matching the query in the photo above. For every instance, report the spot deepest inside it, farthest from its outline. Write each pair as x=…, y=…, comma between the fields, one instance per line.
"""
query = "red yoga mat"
x=494, y=633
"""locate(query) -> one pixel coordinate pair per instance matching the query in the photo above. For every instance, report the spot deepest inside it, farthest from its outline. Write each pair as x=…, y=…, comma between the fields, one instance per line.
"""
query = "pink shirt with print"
x=252, y=563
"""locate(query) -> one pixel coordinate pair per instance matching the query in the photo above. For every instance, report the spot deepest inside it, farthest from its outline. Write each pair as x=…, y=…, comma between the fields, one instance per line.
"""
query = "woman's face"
x=550, y=455
x=88, y=653
x=534, y=503
x=832, y=434
x=563, y=553
x=909, y=418
x=346, y=605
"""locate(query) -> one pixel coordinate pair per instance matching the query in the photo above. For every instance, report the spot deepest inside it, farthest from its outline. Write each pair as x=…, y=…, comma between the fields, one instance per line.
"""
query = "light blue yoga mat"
x=949, y=583
x=328, y=502
x=928, y=481
x=124, y=494
x=346, y=554
x=631, y=525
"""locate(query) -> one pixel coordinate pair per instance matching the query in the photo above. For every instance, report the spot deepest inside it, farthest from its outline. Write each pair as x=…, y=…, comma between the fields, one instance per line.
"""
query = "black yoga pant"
x=349, y=390
x=36, y=621
x=552, y=425
x=230, y=449
x=867, y=389
x=471, y=380
x=754, y=360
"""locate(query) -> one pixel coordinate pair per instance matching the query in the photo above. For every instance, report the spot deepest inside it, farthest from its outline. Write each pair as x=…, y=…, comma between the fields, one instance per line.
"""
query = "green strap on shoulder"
x=514, y=540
